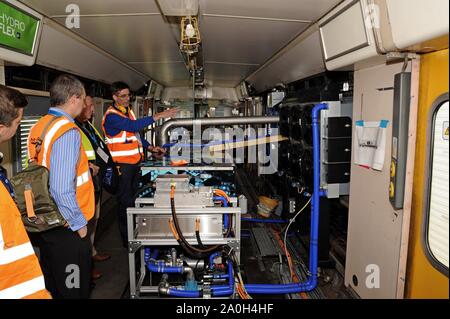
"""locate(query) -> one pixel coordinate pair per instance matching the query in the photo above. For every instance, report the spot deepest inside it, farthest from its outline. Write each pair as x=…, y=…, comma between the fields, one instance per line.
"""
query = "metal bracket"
x=395, y=57
x=234, y=244
x=133, y=246
x=401, y=55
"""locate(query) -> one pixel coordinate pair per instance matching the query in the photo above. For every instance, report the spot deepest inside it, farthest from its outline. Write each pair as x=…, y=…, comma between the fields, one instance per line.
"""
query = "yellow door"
x=423, y=279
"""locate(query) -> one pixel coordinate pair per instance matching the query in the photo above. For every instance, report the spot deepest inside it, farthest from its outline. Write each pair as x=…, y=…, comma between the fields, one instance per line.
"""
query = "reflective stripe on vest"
x=12, y=254
x=87, y=145
x=90, y=155
x=49, y=137
x=122, y=139
x=126, y=153
x=23, y=289
x=83, y=179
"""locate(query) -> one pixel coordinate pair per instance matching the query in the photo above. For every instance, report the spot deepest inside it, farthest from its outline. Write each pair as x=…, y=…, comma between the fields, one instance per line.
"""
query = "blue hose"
x=211, y=259
x=155, y=254
x=161, y=268
x=146, y=255
x=225, y=204
x=314, y=241
x=183, y=293
x=267, y=221
x=217, y=291
x=225, y=292
x=311, y=283
x=149, y=256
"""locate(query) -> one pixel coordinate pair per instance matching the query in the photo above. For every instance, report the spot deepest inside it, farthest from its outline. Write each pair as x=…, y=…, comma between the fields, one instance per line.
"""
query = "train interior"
x=308, y=158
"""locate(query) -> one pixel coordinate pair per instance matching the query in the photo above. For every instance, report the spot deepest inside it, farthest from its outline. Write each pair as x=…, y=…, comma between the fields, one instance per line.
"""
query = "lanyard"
x=7, y=184
x=91, y=133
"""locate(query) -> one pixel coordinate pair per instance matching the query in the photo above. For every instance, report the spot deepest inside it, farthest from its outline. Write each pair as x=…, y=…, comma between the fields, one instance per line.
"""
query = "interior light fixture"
x=190, y=35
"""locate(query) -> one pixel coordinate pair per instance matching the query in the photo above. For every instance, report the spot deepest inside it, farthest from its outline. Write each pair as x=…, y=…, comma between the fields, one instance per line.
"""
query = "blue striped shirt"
x=63, y=163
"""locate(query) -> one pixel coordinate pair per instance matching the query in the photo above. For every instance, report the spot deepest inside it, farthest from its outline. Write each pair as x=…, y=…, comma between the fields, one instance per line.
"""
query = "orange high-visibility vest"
x=84, y=185
x=125, y=147
x=20, y=273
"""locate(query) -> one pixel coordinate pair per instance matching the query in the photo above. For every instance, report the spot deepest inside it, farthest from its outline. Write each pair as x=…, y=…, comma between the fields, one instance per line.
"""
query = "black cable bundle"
x=198, y=253
x=199, y=240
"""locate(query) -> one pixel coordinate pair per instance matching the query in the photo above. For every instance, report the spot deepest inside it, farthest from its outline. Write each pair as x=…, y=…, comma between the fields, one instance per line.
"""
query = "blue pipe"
x=159, y=267
x=222, y=199
x=183, y=293
x=314, y=241
x=267, y=221
x=311, y=283
x=155, y=254
x=217, y=291
x=211, y=259
x=147, y=255
x=224, y=292
x=225, y=204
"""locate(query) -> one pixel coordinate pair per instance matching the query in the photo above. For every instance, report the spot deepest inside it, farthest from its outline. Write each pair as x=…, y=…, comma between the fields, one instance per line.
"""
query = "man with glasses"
x=122, y=133
x=99, y=158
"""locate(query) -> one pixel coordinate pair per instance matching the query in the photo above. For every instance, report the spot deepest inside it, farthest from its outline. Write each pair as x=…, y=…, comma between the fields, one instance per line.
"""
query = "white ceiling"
x=244, y=40
x=238, y=36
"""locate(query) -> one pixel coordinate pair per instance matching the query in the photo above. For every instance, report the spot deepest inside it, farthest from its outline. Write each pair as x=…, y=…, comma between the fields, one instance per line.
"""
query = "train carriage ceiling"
x=238, y=36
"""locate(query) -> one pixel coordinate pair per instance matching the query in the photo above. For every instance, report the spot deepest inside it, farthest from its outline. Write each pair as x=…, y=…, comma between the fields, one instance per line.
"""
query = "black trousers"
x=126, y=195
x=66, y=263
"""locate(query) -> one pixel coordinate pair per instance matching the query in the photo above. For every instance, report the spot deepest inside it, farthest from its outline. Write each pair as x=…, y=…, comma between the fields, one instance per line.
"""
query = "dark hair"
x=11, y=101
x=90, y=90
x=116, y=87
x=63, y=88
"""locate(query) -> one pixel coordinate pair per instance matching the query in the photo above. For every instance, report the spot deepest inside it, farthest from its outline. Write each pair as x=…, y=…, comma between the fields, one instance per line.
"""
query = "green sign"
x=17, y=29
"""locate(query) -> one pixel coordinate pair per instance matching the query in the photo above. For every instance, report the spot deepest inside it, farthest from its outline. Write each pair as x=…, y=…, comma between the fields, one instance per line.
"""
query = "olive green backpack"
x=32, y=195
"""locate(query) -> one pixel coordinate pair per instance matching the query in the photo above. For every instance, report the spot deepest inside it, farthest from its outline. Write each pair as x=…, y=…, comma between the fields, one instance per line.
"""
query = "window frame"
x=428, y=177
x=18, y=150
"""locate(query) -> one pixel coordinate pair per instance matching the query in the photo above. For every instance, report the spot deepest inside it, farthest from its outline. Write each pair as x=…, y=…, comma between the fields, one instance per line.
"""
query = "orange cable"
x=291, y=266
x=197, y=224
x=172, y=192
x=220, y=192
x=174, y=231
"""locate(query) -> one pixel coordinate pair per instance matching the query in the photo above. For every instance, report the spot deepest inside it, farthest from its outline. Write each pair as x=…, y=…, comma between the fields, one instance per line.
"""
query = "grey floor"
x=115, y=277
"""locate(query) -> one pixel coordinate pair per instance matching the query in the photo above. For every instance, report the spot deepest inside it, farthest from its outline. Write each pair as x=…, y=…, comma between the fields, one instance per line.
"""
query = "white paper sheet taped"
x=370, y=144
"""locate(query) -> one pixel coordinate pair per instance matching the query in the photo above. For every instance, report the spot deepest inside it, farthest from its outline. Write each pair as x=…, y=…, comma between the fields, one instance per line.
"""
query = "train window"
x=437, y=204
x=21, y=140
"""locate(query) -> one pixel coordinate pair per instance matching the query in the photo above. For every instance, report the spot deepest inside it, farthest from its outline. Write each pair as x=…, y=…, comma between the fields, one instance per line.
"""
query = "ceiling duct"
x=179, y=8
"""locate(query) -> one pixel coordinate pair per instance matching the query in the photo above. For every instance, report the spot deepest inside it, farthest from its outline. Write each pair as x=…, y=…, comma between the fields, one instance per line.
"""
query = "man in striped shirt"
x=66, y=251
